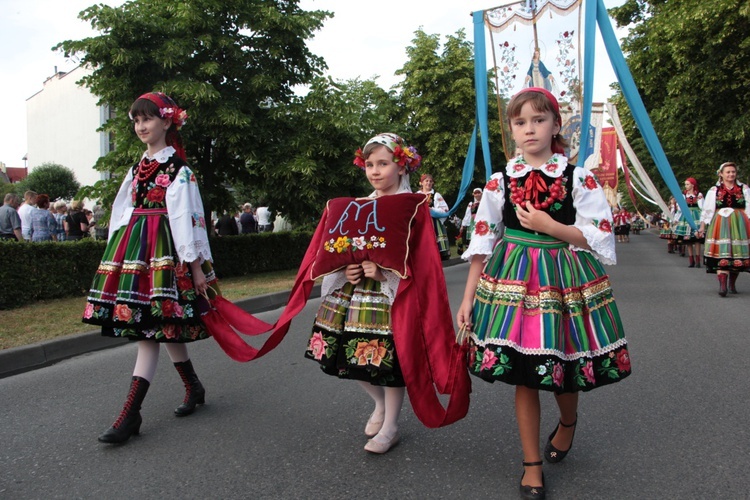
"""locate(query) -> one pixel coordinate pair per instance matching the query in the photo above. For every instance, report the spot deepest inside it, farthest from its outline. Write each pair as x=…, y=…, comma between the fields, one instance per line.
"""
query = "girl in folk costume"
x=538, y=300
x=156, y=268
x=725, y=211
x=621, y=219
x=685, y=234
x=666, y=232
x=467, y=224
x=438, y=204
x=391, y=330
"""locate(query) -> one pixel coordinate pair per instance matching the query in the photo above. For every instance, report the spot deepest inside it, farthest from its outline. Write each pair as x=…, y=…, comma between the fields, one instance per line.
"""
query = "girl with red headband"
x=537, y=299
x=725, y=213
x=438, y=204
x=156, y=270
x=685, y=234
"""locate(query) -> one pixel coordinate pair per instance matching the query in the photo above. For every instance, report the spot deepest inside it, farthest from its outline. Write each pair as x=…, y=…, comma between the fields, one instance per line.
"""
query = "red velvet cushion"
x=360, y=229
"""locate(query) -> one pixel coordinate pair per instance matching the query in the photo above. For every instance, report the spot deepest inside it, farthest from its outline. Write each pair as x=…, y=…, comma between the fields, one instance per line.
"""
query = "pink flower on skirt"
x=557, y=374
x=318, y=345
x=488, y=360
x=89, y=310
x=588, y=372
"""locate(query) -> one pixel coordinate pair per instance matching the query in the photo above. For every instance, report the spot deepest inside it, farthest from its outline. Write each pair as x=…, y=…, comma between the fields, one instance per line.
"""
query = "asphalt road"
x=278, y=428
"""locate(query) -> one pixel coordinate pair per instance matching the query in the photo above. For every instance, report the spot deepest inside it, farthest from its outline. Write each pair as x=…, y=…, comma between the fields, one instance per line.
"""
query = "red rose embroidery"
x=170, y=331
x=492, y=185
x=605, y=226
x=590, y=182
x=155, y=195
x=184, y=283
x=167, y=308
x=123, y=312
x=180, y=270
x=623, y=361
x=481, y=228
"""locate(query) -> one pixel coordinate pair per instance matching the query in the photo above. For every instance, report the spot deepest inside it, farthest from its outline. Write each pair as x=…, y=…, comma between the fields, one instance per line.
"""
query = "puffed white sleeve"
x=466, y=221
x=186, y=218
x=593, y=216
x=440, y=204
x=709, y=206
x=488, y=220
x=122, y=208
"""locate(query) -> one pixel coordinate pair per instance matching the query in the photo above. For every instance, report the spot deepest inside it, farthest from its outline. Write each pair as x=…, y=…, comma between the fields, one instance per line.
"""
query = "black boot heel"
x=552, y=454
x=129, y=422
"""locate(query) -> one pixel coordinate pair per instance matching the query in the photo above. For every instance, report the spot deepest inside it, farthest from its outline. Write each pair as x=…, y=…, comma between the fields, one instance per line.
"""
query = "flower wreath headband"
x=168, y=109
x=403, y=156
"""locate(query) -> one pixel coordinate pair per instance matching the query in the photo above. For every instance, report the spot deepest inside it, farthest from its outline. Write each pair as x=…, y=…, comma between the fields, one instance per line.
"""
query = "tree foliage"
x=438, y=98
x=55, y=180
x=320, y=134
x=691, y=63
x=230, y=63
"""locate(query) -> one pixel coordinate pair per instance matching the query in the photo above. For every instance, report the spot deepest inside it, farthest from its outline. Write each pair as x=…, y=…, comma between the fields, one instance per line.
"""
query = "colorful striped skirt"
x=442, y=239
x=141, y=290
x=727, y=246
x=683, y=231
x=545, y=318
x=352, y=336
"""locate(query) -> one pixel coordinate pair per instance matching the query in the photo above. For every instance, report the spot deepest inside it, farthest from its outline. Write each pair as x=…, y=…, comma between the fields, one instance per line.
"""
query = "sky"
x=362, y=40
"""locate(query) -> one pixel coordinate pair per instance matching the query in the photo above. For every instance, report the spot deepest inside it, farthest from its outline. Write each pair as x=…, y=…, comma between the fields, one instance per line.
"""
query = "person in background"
x=226, y=225
x=265, y=225
x=247, y=220
x=76, y=223
x=61, y=212
x=24, y=212
x=726, y=228
x=43, y=224
x=467, y=224
x=438, y=204
x=10, y=221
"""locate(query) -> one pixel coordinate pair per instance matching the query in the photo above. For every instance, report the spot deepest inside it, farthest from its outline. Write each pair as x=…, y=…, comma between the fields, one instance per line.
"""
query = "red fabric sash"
x=422, y=324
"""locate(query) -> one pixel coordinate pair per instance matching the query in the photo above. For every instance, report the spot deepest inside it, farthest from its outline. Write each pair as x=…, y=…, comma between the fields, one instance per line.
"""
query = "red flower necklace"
x=146, y=168
x=535, y=186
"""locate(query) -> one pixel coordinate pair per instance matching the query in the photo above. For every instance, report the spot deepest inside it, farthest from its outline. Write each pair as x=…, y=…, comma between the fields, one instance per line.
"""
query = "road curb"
x=34, y=356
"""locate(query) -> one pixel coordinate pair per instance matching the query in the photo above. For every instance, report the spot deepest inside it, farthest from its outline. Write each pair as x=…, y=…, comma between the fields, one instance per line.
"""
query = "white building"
x=62, y=122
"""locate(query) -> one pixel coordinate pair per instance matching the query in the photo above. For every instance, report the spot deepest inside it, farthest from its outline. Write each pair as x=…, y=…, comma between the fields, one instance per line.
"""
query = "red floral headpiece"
x=168, y=109
x=403, y=155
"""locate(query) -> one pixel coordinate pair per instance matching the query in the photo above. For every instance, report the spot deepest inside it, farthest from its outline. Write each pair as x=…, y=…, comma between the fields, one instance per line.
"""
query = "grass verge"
x=49, y=319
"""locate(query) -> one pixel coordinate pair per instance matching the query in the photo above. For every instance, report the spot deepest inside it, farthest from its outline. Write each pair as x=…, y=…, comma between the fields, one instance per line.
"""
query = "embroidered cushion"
x=360, y=229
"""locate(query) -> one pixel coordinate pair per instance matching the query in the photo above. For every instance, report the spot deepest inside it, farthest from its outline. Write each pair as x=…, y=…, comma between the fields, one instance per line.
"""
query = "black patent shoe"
x=533, y=492
x=552, y=454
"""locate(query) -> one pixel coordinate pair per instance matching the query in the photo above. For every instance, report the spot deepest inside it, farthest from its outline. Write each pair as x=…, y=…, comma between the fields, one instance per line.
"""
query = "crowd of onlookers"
x=250, y=220
x=36, y=218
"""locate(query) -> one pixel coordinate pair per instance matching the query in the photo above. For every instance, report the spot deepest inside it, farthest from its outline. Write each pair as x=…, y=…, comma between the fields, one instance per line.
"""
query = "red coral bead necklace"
x=146, y=168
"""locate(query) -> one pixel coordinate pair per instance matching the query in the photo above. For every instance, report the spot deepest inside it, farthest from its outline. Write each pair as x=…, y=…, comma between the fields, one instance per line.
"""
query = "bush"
x=34, y=271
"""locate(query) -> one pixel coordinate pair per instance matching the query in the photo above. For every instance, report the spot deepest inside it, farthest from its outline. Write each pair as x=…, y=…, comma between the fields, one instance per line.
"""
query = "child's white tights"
x=388, y=402
x=148, y=357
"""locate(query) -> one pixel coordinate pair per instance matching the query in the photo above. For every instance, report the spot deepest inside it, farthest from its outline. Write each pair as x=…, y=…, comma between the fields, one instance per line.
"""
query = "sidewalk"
x=31, y=357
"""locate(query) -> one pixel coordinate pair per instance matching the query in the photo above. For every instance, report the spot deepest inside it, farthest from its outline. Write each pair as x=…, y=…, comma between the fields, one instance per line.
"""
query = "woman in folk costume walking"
x=685, y=234
x=538, y=299
x=156, y=269
x=725, y=212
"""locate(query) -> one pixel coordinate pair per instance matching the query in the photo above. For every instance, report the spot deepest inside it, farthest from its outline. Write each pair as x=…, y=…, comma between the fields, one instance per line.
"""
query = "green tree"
x=321, y=133
x=55, y=180
x=230, y=63
x=690, y=61
x=438, y=98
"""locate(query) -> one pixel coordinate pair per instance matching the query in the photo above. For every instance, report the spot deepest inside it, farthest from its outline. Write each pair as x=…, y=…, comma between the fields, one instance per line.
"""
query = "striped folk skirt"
x=442, y=239
x=683, y=231
x=352, y=336
x=727, y=247
x=545, y=318
x=141, y=290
